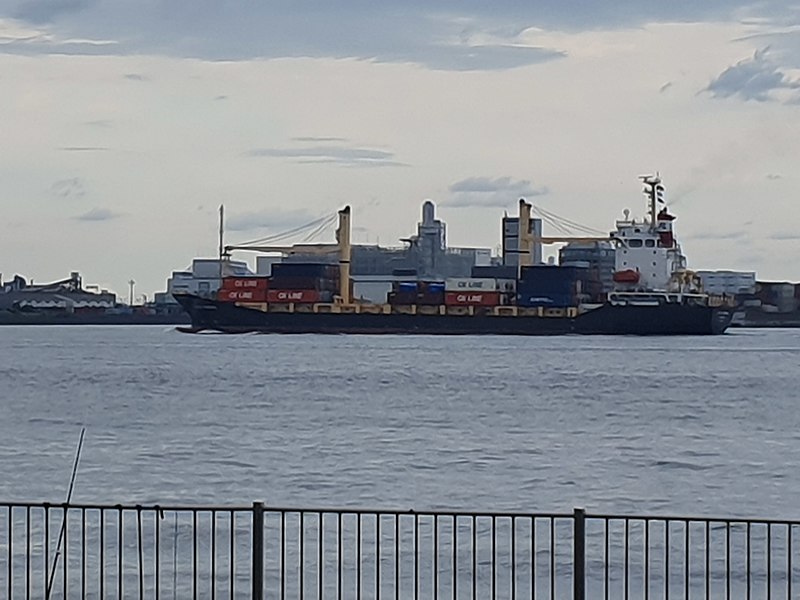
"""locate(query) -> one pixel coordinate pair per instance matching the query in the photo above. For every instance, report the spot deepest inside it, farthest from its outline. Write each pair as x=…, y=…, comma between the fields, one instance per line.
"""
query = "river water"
x=682, y=425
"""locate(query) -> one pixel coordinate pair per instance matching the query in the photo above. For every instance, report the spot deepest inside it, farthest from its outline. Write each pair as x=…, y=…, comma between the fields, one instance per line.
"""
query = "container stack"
x=422, y=293
x=243, y=289
x=550, y=287
x=471, y=292
x=303, y=283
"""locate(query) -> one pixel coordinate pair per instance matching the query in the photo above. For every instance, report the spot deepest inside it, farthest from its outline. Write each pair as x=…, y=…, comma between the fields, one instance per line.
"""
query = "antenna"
x=64, y=518
x=221, y=236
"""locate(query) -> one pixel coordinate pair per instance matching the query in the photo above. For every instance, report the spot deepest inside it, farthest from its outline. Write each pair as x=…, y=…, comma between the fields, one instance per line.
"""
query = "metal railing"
x=102, y=551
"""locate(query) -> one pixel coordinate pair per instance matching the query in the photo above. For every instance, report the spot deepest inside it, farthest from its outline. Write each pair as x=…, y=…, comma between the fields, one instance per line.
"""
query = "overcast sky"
x=126, y=123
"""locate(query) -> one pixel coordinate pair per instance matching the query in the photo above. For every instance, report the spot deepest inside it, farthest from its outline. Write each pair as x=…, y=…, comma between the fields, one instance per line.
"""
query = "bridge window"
x=650, y=243
x=635, y=243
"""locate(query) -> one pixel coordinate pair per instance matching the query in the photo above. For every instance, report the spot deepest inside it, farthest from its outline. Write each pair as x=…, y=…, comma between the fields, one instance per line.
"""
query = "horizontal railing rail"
x=257, y=551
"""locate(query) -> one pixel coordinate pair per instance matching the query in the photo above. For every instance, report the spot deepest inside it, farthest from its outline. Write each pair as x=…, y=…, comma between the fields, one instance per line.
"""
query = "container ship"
x=653, y=292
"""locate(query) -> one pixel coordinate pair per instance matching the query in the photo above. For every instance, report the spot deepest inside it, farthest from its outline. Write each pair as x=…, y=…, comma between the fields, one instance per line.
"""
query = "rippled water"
x=665, y=425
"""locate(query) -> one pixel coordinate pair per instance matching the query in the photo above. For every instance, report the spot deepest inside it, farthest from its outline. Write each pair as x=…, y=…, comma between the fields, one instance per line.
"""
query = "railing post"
x=579, y=555
x=257, y=559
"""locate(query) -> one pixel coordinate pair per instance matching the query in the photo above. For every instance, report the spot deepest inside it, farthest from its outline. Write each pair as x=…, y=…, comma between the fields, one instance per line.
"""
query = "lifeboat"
x=626, y=276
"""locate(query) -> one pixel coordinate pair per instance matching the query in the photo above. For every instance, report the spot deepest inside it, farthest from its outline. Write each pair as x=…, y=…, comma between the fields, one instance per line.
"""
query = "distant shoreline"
x=9, y=318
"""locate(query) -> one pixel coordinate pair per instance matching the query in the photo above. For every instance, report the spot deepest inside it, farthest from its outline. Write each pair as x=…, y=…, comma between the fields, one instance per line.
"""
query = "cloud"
x=485, y=191
x=135, y=77
x=83, y=149
x=338, y=155
x=718, y=235
x=68, y=189
x=774, y=176
x=98, y=214
x=785, y=236
x=46, y=11
x=757, y=78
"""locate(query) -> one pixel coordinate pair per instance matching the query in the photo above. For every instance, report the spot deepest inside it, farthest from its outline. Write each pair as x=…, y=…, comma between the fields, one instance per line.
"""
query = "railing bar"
x=157, y=516
x=666, y=559
x=494, y=556
x=474, y=557
x=358, y=553
x=626, y=534
x=140, y=549
x=646, y=559
x=769, y=561
x=83, y=552
x=396, y=557
x=232, y=565
x=607, y=565
x=416, y=557
x=28, y=553
x=687, y=560
x=789, y=568
x=320, y=559
x=513, y=558
x=533, y=558
x=455, y=558
x=213, y=516
x=65, y=568
x=10, y=549
x=46, y=547
x=378, y=557
x=195, y=552
x=708, y=558
x=436, y=556
x=728, y=561
x=283, y=556
x=552, y=559
x=749, y=560
x=120, y=525
x=339, y=558
x=302, y=556
x=102, y=563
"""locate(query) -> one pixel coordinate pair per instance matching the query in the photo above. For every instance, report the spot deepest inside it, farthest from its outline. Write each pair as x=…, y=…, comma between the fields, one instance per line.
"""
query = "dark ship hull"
x=608, y=319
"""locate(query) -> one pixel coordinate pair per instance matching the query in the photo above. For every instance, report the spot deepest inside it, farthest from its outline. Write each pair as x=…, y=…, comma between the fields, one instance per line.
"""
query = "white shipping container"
x=459, y=284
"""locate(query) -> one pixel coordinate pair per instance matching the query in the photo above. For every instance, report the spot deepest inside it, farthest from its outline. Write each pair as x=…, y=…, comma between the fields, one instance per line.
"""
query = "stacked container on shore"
x=303, y=283
x=243, y=289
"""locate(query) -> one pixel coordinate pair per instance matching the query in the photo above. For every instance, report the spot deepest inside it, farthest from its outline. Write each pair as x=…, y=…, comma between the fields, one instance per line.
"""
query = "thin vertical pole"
x=258, y=551
x=579, y=554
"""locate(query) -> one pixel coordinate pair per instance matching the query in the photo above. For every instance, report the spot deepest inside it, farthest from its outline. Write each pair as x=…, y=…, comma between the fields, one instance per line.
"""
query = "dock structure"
x=258, y=551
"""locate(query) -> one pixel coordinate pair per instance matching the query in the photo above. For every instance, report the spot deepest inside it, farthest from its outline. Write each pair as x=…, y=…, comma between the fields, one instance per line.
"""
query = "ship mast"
x=221, y=236
x=652, y=190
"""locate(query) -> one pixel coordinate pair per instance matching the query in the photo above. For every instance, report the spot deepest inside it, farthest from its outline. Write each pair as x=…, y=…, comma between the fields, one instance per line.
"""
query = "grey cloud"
x=785, y=236
x=435, y=35
x=45, y=11
x=98, y=214
x=135, y=77
x=68, y=189
x=339, y=155
x=755, y=78
x=774, y=176
x=83, y=149
x=99, y=123
x=718, y=235
x=268, y=219
x=318, y=139
x=485, y=191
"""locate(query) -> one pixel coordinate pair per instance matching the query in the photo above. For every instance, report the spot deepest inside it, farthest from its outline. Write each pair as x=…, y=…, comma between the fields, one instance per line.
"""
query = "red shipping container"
x=472, y=298
x=241, y=295
x=245, y=283
x=300, y=296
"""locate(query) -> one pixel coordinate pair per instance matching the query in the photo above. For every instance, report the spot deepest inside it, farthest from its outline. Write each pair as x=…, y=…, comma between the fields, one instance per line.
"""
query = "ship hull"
x=666, y=319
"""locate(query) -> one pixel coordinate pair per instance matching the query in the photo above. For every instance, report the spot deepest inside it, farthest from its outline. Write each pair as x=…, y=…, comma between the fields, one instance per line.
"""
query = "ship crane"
x=342, y=247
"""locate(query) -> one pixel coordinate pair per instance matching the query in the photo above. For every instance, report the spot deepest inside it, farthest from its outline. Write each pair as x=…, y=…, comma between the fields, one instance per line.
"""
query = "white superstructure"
x=648, y=257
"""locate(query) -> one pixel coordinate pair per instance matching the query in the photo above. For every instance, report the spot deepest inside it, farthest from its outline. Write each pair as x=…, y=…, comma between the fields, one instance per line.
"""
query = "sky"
x=127, y=123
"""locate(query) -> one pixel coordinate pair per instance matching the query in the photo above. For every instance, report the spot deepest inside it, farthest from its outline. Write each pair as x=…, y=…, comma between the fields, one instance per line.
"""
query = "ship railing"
x=258, y=551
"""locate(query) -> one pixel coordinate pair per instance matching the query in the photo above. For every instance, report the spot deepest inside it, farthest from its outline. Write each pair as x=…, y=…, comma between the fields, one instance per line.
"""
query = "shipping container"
x=303, y=283
x=430, y=298
x=406, y=286
x=495, y=272
x=472, y=298
x=550, y=273
x=460, y=284
x=403, y=297
x=546, y=300
x=242, y=295
x=245, y=283
x=307, y=270
x=303, y=296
